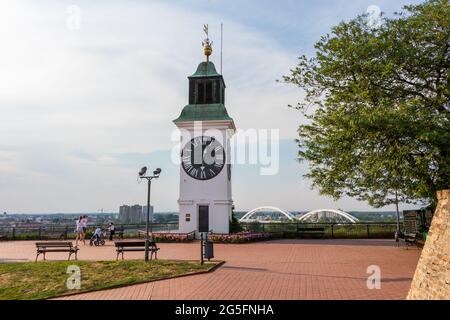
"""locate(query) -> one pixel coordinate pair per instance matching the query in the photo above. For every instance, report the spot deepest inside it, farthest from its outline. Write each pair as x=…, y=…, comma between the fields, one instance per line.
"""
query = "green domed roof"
x=203, y=112
x=205, y=69
x=199, y=109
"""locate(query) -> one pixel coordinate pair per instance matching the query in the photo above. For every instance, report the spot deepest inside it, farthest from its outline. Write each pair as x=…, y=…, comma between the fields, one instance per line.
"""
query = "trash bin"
x=209, y=250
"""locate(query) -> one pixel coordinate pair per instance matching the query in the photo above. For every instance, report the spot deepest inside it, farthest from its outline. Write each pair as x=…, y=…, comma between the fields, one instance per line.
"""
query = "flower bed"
x=240, y=237
x=173, y=237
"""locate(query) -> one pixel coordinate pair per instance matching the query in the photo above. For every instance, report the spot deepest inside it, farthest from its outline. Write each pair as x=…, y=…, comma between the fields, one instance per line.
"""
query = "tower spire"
x=207, y=44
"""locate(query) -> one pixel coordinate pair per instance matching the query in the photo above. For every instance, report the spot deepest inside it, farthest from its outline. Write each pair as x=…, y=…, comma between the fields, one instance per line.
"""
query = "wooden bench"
x=56, y=246
x=133, y=246
x=409, y=238
x=316, y=231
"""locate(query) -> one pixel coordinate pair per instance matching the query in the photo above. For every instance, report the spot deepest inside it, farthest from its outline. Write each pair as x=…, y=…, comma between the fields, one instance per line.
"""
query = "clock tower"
x=205, y=201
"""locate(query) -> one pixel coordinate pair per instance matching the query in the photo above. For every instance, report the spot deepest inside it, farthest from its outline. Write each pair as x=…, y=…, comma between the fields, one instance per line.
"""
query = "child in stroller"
x=97, y=238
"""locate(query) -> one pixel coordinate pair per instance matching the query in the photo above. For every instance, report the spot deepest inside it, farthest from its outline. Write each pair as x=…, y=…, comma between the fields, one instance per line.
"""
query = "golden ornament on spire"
x=207, y=45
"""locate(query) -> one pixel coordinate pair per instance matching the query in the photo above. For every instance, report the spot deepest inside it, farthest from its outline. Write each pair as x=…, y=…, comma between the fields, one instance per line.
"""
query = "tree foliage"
x=377, y=100
x=235, y=226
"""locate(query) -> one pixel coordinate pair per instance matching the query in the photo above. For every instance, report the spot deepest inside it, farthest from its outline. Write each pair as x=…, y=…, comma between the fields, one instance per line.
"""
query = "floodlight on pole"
x=143, y=171
x=149, y=220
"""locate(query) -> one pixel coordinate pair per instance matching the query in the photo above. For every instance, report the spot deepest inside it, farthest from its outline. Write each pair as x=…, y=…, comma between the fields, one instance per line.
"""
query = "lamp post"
x=398, y=212
x=149, y=221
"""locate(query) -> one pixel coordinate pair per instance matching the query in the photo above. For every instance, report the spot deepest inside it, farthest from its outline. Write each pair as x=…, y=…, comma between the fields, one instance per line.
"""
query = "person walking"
x=79, y=231
x=112, y=231
x=84, y=222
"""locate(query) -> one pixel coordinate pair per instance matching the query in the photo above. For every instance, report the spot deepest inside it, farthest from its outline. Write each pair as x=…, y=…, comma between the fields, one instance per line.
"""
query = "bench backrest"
x=124, y=244
x=54, y=244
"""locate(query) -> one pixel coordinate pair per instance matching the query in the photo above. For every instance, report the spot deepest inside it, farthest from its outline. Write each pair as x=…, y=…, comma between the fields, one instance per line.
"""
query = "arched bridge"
x=312, y=216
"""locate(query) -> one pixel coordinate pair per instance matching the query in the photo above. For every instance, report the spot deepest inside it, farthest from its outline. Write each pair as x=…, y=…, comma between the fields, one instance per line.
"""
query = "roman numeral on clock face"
x=187, y=159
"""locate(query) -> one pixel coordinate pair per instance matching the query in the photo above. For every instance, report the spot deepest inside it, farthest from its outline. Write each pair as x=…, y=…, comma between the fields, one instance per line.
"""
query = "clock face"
x=203, y=158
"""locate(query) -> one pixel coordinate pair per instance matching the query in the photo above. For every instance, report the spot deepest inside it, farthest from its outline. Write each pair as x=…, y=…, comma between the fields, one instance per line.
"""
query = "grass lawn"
x=43, y=280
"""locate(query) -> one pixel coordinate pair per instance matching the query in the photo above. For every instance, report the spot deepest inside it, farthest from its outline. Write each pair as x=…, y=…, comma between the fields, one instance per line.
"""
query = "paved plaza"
x=280, y=269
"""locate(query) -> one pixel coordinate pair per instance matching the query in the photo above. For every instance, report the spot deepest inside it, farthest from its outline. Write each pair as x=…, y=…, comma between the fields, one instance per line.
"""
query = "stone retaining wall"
x=432, y=277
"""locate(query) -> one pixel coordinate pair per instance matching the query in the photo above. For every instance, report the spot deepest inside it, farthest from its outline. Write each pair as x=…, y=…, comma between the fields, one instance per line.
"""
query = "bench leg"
x=117, y=256
x=122, y=255
x=44, y=255
x=37, y=256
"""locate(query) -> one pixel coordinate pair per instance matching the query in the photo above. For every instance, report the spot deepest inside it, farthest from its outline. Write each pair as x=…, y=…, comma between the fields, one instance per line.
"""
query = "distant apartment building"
x=136, y=214
x=124, y=214
x=133, y=214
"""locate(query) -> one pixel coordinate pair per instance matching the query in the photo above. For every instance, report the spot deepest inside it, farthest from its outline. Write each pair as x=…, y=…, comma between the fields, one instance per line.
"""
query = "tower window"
x=205, y=92
x=209, y=92
x=201, y=93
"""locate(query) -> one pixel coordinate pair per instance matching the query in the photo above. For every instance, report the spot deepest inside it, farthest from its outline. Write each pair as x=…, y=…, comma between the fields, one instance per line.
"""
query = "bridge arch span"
x=336, y=212
x=287, y=214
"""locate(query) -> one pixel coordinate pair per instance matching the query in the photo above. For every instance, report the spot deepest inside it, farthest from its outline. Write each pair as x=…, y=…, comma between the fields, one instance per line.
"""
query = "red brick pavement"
x=283, y=269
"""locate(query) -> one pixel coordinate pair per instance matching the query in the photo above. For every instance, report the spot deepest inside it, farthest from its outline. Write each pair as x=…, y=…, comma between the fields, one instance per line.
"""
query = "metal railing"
x=327, y=230
x=282, y=230
x=68, y=232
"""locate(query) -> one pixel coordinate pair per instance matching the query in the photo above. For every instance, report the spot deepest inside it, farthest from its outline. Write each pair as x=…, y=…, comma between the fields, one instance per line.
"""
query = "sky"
x=89, y=90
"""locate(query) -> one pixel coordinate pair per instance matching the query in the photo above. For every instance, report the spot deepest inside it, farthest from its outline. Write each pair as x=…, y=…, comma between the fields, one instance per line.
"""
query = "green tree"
x=377, y=104
x=235, y=226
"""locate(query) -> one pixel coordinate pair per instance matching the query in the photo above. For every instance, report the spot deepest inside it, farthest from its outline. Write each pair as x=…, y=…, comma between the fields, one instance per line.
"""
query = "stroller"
x=97, y=238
